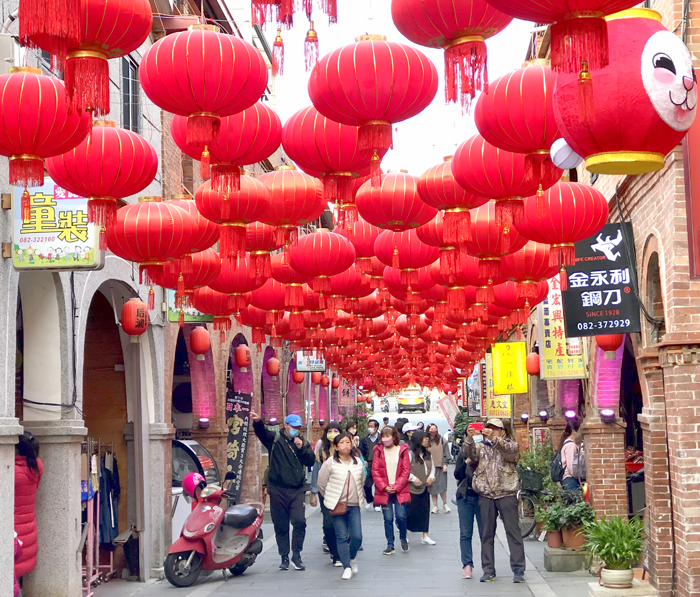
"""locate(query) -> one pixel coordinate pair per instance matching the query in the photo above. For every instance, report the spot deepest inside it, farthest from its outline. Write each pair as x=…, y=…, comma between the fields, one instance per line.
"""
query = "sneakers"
x=447, y=508
x=368, y=506
x=427, y=541
x=435, y=510
x=404, y=545
x=353, y=566
x=298, y=564
x=389, y=551
x=347, y=574
x=337, y=563
x=467, y=572
x=285, y=563
x=519, y=577
x=488, y=578
x=326, y=549
x=377, y=508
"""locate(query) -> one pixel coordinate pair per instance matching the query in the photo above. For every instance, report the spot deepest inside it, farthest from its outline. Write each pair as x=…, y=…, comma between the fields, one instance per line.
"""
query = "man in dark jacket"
x=468, y=508
x=367, y=444
x=289, y=454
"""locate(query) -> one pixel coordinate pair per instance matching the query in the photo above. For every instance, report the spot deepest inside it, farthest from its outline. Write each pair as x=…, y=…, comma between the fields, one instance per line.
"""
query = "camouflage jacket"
x=495, y=476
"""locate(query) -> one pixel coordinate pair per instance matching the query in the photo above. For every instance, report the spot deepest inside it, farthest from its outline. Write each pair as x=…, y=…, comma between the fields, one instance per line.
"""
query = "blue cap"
x=293, y=420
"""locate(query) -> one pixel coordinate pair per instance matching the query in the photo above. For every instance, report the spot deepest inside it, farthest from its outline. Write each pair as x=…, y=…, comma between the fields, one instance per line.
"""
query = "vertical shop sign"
x=449, y=408
x=474, y=393
x=348, y=394
x=509, y=372
x=496, y=406
x=238, y=421
x=560, y=357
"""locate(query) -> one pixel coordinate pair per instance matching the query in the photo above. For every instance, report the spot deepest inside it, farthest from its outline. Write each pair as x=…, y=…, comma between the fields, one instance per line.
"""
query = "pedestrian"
x=28, y=472
x=408, y=430
x=421, y=425
x=401, y=422
x=341, y=481
x=569, y=449
x=468, y=510
x=440, y=453
x=421, y=478
x=496, y=482
x=385, y=422
x=367, y=445
x=391, y=467
x=289, y=456
x=325, y=450
x=351, y=430
x=17, y=592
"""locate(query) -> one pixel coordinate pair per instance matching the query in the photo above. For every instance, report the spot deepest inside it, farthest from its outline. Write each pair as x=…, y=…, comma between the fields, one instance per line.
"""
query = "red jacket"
x=381, y=479
x=26, y=486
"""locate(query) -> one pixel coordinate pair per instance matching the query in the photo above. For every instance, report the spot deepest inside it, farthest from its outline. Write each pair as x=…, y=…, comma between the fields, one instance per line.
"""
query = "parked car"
x=411, y=399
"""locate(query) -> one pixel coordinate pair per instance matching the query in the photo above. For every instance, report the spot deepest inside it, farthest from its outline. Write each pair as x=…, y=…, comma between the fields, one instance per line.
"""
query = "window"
x=131, y=104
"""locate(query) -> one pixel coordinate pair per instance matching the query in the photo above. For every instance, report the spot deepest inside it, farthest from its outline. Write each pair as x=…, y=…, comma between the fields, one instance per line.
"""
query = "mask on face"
x=352, y=431
x=293, y=432
x=388, y=441
x=332, y=435
x=372, y=431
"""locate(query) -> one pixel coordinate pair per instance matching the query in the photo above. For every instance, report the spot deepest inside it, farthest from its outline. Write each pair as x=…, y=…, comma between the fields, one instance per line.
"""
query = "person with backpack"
x=289, y=456
x=571, y=454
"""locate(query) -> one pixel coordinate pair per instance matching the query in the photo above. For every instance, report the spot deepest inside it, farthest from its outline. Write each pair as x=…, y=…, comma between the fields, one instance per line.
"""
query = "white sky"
x=421, y=141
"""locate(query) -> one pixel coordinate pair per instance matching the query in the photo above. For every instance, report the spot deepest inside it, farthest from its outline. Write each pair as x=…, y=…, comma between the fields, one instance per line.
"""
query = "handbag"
x=341, y=507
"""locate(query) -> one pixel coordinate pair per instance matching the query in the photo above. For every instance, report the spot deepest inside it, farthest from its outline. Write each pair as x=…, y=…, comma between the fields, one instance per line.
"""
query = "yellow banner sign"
x=496, y=406
x=509, y=372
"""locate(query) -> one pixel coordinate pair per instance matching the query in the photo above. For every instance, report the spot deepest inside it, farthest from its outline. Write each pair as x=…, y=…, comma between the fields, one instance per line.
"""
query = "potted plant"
x=619, y=543
x=573, y=519
x=550, y=516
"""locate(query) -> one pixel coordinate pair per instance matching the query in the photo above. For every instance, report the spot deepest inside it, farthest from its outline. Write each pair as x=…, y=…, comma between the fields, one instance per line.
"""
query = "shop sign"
x=348, y=393
x=449, y=409
x=540, y=436
x=237, y=421
x=461, y=392
x=509, y=372
x=191, y=314
x=600, y=296
x=474, y=393
x=310, y=363
x=691, y=170
x=496, y=406
x=560, y=357
x=57, y=235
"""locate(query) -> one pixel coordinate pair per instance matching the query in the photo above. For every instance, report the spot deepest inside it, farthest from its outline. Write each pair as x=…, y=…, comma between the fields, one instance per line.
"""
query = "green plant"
x=462, y=421
x=618, y=542
x=577, y=515
x=539, y=458
x=550, y=516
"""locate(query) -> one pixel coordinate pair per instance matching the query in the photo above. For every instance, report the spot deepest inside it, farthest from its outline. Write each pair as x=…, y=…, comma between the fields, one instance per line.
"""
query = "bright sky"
x=419, y=142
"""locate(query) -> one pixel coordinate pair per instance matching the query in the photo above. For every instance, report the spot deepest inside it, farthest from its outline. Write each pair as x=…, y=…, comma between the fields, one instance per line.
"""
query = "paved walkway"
x=424, y=572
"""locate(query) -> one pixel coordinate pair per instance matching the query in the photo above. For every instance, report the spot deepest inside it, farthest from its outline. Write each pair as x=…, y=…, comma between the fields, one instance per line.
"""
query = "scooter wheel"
x=241, y=567
x=176, y=570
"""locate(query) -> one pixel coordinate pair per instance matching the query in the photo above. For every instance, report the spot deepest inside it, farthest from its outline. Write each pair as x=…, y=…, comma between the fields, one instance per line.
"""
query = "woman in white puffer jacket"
x=341, y=482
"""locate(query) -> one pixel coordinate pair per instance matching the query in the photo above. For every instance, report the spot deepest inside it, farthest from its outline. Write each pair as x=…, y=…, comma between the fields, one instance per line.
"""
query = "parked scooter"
x=214, y=537
x=385, y=405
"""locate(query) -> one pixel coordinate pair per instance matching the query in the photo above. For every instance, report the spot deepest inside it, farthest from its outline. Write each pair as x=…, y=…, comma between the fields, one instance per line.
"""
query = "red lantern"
x=460, y=29
x=214, y=74
x=517, y=114
x=256, y=319
x=610, y=343
x=35, y=125
x=321, y=255
x=316, y=378
x=242, y=357
x=394, y=204
x=296, y=199
x=335, y=382
x=643, y=107
x=410, y=289
x=405, y=251
x=237, y=279
x=325, y=381
x=200, y=342
x=244, y=138
x=93, y=169
x=214, y=303
x=433, y=234
x=532, y=364
x=260, y=239
x=297, y=377
x=366, y=84
x=362, y=235
x=270, y=299
x=272, y=367
x=528, y=266
x=134, y=318
x=204, y=235
x=150, y=233
x=488, y=171
x=292, y=280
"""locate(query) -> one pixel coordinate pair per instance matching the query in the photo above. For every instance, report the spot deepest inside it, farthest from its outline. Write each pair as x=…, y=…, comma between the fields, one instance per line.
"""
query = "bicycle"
x=528, y=499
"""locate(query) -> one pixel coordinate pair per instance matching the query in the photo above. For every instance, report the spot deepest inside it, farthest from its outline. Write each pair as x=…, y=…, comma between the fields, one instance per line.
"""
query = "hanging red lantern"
x=237, y=279
x=204, y=235
x=517, y=114
x=394, y=204
x=200, y=342
x=92, y=169
x=296, y=199
x=325, y=381
x=261, y=240
x=405, y=251
x=272, y=367
x=433, y=234
x=610, y=343
x=644, y=100
x=389, y=73
x=256, y=319
x=292, y=280
x=208, y=300
x=242, y=357
x=297, y=377
x=321, y=255
x=485, y=170
x=316, y=378
x=532, y=364
x=329, y=150
x=528, y=266
x=247, y=137
x=150, y=233
x=458, y=28
x=215, y=75
x=409, y=289
x=270, y=298
x=134, y=318
x=36, y=124
x=362, y=235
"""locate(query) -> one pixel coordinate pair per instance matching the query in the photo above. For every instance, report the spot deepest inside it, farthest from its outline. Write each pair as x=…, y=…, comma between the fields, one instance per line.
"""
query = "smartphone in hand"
x=477, y=427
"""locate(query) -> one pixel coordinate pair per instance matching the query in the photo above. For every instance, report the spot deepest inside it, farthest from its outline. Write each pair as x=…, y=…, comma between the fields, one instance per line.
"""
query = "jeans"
x=570, y=483
x=348, y=532
x=508, y=508
x=394, y=510
x=369, y=483
x=287, y=506
x=329, y=530
x=468, y=509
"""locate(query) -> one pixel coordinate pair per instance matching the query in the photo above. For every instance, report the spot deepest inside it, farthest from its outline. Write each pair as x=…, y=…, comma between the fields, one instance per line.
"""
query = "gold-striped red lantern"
x=208, y=300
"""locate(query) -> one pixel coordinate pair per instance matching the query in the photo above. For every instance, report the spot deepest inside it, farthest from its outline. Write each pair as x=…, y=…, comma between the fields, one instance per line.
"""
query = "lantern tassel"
x=563, y=280
x=26, y=205
x=26, y=171
x=102, y=211
x=151, y=299
x=376, y=136
x=448, y=261
x=86, y=75
x=185, y=264
x=563, y=255
x=311, y=48
x=465, y=72
x=54, y=25
x=205, y=164
x=456, y=227
x=484, y=294
x=375, y=170
x=456, y=299
x=232, y=241
x=581, y=37
x=296, y=321
x=508, y=211
x=526, y=290
x=541, y=204
x=181, y=317
x=261, y=264
x=202, y=127
x=222, y=325
x=225, y=178
x=278, y=55
x=285, y=13
x=330, y=8
x=585, y=93
x=489, y=268
x=293, y=296
x=364, y=264
x=263, y=11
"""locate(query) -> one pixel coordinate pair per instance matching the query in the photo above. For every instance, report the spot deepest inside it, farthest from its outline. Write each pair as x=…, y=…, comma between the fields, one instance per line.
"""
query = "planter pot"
x=538, y=529
x=573, y=538
x=554, y=539
x=617, y=579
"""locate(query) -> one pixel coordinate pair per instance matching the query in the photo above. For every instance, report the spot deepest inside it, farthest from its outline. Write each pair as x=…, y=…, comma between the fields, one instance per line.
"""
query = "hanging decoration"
x=52, y=25
x=134, y=319
x=204, y=235
x=278, y=55
x=433, y=234
x=362, y=235
x=270, y=298
x=215, y=303
x=200, y=342
x=260, y=240
x=237, y=280
x=293, y=282
x=311, y=48
x=528, y=267
x=404, y=251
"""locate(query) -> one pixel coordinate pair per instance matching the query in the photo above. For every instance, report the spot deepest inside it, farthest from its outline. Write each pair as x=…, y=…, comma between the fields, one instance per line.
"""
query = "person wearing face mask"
x=289, y=456
x=391, y=468
x=351, y=429
x=325, y=450
x=440, y=455
x=367, y=444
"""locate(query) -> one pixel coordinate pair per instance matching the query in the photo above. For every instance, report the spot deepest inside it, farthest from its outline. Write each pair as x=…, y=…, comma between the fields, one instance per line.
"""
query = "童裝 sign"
x=600, y=297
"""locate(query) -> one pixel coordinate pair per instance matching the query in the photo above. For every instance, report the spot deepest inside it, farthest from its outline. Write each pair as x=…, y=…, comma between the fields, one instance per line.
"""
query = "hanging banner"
x=191, y=314
x=600, y=298
x=57, y=235
x=474, y=392
x=509, y=372
x=496, y=406
x=560, y=357
x=448, y=407
x=461, y=392
x=310, y=363
x=348, y=394
x=238, y=421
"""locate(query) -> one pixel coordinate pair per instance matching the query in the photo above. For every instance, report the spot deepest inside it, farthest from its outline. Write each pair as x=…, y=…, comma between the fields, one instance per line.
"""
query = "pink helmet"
x=191, y=482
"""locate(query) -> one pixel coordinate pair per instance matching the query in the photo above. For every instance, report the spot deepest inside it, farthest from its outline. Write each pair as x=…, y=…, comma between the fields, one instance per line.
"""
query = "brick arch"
x=652, y=289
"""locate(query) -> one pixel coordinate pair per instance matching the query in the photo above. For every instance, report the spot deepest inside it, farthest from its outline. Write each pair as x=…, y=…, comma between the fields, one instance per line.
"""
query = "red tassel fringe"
x=264, y=11
x=202, y=128
x=296, y=321
x=375, y=170
x=185, y=264
x=102, y=211
x=278, y=58
x=576, y=40
x=151, y=299
x=261, y=264
x=489, y=268
x=258, y=336
x=225, y=178
x=448, y=261
x=87, y=84
x=330, y=8
x=376, y=136
x=526, y=290
x=465, y=72
x=562, y=256
x=456, y=227
x=484, y=294
x=232, y=241
x=293, y=296
x=509, y=211
x=26, y=172
x=205, y=164
x=311, y=52
x=222, y=325
x=53, y=25
x=237, y=302
x=456, y=299
x=26, y=205
x=586, y=108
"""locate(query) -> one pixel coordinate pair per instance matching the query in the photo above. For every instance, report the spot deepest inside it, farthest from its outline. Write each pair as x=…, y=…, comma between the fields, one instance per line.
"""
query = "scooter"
x=214, y=538
x=385, y=406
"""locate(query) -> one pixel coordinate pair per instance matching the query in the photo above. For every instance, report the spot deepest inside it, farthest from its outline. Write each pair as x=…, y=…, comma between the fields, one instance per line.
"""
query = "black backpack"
x=556, y=469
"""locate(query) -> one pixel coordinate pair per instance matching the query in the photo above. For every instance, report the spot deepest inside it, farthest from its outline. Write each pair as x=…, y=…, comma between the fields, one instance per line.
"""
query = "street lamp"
x=570, y=415
x=524, y=418
x=544, y=416
x=607, y=415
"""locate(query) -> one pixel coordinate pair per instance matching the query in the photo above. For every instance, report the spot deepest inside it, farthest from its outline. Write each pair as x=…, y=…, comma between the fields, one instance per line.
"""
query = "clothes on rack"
x=110, y=490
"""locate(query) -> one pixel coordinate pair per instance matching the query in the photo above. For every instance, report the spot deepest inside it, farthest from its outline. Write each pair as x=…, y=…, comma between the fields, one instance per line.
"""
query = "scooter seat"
x=240, y=516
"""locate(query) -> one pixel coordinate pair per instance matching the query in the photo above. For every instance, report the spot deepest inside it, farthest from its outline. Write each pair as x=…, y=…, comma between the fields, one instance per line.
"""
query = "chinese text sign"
x=496, y=406
x=509, y=372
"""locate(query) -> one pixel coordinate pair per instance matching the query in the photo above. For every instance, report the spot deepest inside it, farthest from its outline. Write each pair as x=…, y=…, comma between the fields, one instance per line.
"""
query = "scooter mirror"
x=230, y=476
